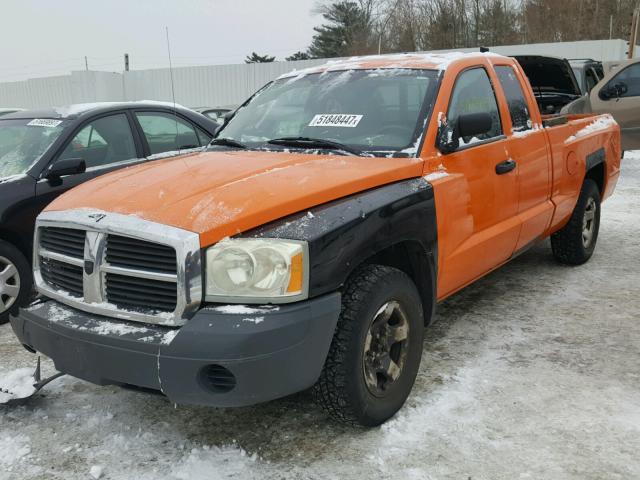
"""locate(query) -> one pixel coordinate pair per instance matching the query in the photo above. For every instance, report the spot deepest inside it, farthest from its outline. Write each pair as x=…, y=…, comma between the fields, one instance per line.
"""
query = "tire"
x=16, y=281
x=349, y=388
x=575, y=242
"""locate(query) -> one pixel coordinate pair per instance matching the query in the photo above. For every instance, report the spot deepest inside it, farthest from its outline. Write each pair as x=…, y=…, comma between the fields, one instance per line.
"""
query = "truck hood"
x=549, y=74
x=220, y=194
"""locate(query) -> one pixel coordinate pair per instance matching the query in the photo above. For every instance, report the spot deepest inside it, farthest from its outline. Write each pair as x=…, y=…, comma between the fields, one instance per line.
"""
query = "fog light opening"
x=217, y=378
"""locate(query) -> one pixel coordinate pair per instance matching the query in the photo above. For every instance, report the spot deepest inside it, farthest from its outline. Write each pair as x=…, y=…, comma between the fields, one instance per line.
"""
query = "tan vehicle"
x=618, y=93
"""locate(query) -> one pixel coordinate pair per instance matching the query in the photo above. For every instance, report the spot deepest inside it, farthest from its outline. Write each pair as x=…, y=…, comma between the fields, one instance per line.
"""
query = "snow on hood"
x=438, y=61
x=220, y=194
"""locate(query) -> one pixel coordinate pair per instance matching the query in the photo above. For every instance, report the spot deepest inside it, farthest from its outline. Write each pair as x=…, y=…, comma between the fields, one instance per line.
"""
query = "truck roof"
x=431, y=61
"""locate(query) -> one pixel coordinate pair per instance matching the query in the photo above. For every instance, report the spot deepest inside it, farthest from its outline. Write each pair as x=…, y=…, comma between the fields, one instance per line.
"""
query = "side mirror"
x=474, y=124
x=469, y=125
x=614, y=91
x=448, y=139
x=67, y=166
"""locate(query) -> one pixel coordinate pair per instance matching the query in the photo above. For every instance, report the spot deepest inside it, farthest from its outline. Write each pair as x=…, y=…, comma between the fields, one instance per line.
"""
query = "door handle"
x=505, y=167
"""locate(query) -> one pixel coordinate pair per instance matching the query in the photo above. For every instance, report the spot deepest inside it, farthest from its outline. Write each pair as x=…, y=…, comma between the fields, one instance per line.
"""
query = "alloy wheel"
x=9, y=284
x=385, y=349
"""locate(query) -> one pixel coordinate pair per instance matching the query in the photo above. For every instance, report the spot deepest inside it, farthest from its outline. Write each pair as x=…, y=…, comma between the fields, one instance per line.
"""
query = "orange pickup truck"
x=309, y=245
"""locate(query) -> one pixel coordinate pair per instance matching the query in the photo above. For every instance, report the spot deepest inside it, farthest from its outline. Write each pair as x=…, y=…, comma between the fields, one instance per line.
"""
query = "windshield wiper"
x=308, y=142
x=227, y=142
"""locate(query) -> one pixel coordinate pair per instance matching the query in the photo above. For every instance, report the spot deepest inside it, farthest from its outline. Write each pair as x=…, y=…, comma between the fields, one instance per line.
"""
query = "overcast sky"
x=44, y=37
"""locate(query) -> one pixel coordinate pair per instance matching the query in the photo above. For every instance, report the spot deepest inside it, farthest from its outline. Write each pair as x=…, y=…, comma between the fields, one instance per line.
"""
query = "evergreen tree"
x=255, y=58
x=298, y=56
x=347, y=31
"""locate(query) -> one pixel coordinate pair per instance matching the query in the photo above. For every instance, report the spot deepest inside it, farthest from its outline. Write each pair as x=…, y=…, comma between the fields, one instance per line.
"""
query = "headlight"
x=257, y=270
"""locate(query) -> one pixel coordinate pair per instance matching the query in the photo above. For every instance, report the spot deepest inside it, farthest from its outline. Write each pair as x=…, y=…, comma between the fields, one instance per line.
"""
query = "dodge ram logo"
x=89, y=266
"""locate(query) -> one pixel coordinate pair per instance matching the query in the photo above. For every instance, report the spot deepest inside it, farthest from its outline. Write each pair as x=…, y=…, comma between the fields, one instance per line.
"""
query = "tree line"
x=360, y=27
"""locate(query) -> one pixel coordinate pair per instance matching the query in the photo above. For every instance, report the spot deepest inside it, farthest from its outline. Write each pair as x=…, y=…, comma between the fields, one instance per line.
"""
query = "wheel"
x=376, y=350
x=15, y=280
x=575, y=242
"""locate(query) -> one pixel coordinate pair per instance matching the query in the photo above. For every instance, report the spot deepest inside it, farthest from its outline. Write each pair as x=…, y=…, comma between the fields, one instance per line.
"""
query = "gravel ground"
x=531, y=373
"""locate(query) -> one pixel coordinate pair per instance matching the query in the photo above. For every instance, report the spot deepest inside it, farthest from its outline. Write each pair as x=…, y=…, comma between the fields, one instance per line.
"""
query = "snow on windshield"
x=22, y=144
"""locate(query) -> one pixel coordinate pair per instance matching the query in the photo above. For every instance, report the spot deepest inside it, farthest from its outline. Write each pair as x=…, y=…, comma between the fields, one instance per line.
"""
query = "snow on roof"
x=439, y=61
x=78, y=108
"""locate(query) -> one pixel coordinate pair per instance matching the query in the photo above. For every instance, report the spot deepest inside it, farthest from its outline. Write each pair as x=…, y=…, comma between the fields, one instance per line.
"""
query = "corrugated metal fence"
x=221, y=85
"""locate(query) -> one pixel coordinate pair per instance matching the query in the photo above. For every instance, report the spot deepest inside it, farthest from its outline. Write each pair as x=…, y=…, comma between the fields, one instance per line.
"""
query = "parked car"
x=553, y=81
x=43, y=153
x=309, y=245
x=618, y=93
x=588, y=73
x=215, y=114
x=5, y=111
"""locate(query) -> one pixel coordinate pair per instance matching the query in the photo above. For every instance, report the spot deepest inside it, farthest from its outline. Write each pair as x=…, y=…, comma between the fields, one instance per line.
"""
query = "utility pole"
x=126, y=62
x=633, y=39
x=86, y=63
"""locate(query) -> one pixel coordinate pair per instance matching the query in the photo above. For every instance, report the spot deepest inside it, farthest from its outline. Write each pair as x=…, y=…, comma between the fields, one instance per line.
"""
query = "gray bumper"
x=269, y=354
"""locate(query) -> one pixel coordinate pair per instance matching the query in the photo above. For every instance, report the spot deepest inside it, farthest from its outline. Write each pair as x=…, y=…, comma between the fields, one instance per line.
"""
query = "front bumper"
x=270, y=353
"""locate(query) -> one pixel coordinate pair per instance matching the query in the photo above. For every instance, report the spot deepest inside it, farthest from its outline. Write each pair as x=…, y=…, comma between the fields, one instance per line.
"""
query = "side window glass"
x=165, y=132
x=102, y=142
x=592, y=79
x=630, y=76
x=518, y=109
x=473, y=93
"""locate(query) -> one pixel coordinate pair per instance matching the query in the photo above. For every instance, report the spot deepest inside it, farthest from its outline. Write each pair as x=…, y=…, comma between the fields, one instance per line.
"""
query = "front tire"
x=575, y=242
x=376, y=350
x=15, y=280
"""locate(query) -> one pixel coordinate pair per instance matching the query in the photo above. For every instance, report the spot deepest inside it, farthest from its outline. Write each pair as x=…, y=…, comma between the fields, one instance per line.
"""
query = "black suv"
x=44, y=153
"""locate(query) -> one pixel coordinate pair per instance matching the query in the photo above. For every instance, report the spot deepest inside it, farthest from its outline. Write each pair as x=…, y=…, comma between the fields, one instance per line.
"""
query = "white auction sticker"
x=44, y=122
x=335, y=120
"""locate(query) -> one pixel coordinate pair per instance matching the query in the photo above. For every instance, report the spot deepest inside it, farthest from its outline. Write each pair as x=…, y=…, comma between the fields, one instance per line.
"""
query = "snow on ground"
x=531, y=373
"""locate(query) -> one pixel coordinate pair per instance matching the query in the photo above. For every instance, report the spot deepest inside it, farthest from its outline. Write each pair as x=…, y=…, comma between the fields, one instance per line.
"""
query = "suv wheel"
x=15, y=280
x=376, y=350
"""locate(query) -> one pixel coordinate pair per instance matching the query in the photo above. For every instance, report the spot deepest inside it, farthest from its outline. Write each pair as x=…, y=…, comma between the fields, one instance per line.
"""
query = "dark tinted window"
x=630, y=76
x=165, y=132
x=520, y=116
x=104, y=141
x=473, y=93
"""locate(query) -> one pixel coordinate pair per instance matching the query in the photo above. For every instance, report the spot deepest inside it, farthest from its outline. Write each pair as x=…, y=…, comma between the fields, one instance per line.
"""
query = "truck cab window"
x=102, y=142
x=518, y=109
x=473, y=93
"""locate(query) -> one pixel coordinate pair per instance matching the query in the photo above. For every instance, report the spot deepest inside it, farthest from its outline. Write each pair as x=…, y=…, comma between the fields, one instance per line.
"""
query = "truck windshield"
x=373, y=111
x=22, y=143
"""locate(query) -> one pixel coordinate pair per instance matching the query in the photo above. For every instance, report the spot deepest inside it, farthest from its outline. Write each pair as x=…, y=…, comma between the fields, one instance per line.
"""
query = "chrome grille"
x=133, y=293
x=127, y=267
x=65, y=241
x=62, y=276
x=139, y=254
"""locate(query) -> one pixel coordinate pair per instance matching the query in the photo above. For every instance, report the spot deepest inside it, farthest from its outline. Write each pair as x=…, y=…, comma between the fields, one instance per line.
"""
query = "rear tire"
x=16, y=281
x=376, y=350
x=575, y=242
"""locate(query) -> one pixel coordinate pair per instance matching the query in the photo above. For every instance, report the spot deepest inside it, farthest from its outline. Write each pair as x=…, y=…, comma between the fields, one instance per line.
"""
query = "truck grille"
x=139, y=254
x=65, y=241
x=62, y=276
x=108, y=267
x=134, y=293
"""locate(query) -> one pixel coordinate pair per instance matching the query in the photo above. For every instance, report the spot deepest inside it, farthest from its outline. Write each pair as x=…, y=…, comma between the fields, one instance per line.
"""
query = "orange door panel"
x=477, y=215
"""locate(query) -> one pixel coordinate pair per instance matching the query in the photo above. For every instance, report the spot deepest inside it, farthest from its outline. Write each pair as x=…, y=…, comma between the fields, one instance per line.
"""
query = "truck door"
x=477, y=219
x=619, y=94
x=528, y=148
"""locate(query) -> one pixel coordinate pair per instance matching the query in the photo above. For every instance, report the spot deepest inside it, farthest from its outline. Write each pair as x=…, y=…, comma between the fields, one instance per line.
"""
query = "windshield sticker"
x=335, y=120
x=44, y=122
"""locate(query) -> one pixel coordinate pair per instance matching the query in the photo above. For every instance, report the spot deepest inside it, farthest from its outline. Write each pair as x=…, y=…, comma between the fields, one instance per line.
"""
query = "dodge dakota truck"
x=307, y=248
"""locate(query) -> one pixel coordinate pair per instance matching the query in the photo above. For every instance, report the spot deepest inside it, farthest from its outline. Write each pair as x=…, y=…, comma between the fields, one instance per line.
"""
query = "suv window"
x=473, y=93
x=591, y=79
x=520, y=116
x=102, y=142
x=630, y=76
x=166, y=132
